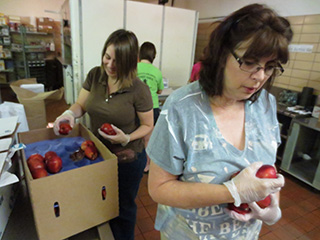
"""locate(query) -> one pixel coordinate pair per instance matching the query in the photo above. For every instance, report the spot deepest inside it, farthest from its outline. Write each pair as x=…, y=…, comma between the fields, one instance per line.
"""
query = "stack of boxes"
x=45, y=24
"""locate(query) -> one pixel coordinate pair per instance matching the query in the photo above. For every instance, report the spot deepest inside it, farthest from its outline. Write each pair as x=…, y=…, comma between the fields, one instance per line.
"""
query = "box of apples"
x=71, y=189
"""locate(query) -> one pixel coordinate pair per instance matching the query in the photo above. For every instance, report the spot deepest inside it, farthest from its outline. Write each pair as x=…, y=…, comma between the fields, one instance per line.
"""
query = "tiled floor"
x=146, y=214
x=300, y=220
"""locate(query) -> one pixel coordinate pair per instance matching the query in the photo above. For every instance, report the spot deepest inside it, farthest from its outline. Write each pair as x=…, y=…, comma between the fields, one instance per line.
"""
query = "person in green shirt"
x=151, y=76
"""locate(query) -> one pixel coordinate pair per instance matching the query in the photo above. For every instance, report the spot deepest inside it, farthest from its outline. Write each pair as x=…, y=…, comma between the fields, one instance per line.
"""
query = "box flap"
x=23, y=94
x=2, y=160
x=8, y=125
x=5, y=144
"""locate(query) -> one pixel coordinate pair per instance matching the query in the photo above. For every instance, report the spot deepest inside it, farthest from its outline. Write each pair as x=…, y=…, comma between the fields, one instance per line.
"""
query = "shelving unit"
x=303, y=140
x=285, y=118
x=6, y=61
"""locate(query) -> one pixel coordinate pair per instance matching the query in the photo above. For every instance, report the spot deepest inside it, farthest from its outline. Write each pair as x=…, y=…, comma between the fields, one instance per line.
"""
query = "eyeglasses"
x=252, y=67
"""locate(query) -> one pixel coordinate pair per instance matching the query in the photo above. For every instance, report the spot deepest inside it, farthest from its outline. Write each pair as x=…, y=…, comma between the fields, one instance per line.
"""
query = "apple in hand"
x=54, y=164
x=107, y=129
x=39, y=173
x=266, y=171
x=64, y=128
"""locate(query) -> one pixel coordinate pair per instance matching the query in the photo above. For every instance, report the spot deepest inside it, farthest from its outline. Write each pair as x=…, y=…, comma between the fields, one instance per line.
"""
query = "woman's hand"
x=119, y=138
x=269, y=215
x=246, y=187
x=66, y=116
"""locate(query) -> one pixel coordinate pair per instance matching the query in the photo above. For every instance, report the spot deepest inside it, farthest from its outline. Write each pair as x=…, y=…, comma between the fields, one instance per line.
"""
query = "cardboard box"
x=35, y=103
x=78, y=192
x=45, y=24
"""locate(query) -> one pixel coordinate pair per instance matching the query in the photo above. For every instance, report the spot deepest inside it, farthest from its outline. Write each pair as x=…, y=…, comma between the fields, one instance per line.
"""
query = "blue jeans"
x=130, y=175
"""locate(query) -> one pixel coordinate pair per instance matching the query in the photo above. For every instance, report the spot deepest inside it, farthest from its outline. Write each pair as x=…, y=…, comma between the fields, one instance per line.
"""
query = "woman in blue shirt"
x=224, y=123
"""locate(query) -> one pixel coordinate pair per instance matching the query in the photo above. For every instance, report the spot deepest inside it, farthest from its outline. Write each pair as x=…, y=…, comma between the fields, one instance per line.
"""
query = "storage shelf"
x=304, y=170
x=6, y=70
x=304, y=139
x=35, y=33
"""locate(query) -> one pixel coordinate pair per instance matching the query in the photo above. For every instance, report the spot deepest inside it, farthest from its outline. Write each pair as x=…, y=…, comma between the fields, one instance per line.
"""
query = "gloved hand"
x=66, y=116
x=269, y=215
x=120, y=137
x=247, y=188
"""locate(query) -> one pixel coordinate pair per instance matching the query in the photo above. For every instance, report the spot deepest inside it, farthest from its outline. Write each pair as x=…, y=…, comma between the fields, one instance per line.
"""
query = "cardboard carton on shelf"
x=77, y=192
x=36, y=104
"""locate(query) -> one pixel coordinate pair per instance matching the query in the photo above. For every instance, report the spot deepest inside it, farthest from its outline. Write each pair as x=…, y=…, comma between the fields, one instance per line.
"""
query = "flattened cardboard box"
x=78, y=192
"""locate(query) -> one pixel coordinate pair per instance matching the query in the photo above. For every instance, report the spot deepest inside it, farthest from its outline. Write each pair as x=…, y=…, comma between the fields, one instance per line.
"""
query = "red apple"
x=50, y=154
x=91, y=152
x=36, y=156
x=242, y=209
x=35, y=163
x=265, y=202
x=107, y=129
x=54, y=164
x=266, y=171
x=87, y=143
x=39, y=173
x=64, y=128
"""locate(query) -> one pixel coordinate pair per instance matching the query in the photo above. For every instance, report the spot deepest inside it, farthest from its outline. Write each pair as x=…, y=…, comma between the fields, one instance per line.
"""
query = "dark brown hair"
x=147, y=51
x=268, y=34
x=126, y=52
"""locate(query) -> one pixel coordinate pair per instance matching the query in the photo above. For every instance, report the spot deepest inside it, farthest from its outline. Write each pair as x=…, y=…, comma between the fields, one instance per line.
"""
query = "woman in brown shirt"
x=113, y=94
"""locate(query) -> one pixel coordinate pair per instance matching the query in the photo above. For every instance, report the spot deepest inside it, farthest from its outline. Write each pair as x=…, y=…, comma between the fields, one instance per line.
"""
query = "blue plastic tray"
x=63, y=147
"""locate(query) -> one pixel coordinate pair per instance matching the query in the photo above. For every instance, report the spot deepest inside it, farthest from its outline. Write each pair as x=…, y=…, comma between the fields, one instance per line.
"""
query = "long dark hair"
x=126, y=52
x=268, y=33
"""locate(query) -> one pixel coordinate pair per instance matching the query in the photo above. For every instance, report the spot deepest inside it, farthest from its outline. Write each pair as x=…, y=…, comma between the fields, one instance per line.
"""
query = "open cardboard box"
x=35, y=104
x=77, y=192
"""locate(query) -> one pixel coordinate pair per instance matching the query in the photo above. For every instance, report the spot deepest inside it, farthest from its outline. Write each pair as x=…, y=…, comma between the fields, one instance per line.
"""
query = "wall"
x=303, y=69
x=218, y=8
x=35, y=8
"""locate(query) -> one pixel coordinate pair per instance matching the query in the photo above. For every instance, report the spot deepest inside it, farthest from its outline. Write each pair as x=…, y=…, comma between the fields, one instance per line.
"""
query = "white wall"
x=27, y=8
x=217, y=8
x=220, y=8
x=206, y=8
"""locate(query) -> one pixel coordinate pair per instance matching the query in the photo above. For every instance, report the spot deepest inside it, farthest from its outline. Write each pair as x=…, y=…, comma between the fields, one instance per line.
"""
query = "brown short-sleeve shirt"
x=118, y=108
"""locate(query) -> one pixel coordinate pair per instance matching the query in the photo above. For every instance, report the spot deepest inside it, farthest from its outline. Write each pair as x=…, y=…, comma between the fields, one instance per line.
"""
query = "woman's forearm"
x=175, y=193
x=77, y=110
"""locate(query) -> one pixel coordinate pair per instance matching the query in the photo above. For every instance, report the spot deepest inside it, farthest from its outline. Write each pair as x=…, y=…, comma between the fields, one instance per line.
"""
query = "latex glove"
x=247, y=188
x=66, y=116
x=120, y=137
x=269, y=215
